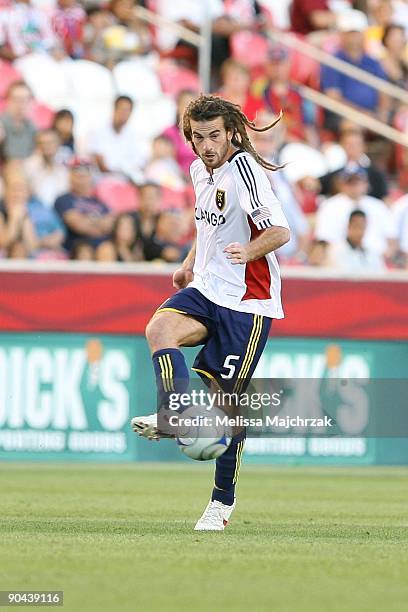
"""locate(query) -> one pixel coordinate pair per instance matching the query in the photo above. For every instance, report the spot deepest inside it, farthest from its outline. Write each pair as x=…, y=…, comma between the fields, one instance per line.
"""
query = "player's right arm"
x=184, y=275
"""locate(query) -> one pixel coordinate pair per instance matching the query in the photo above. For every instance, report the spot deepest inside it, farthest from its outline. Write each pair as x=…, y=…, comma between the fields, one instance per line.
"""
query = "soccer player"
x=229, y=283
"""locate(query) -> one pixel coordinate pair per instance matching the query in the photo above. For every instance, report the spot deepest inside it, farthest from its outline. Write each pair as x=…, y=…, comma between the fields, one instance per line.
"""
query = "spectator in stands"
x=82, y=251
x=63, y=125
x=165, y=241
x=277, y=94
x=17, y=132
x=184, y=154
x=47, y=176
x=399, y=249
x=380, y=17
x=116, y=146
x=403, y=238
x=99, y=18
x=127, y=36
x=105, y=252
x=158, y=239
x=350, y=255
x=85, y=217
x=395, y=57
x=68, y=22
x=24, y=29
x=353, y=143
x=333, y=214
x=150, y=197
x=17, y=232
x=227, y=19
x=400, y=13
x=48, y=229
x=267, y=144
x=162, y=167
x=317, y=253
x=235, y=82
x=311, y=15
x=349, y=90
x=128, y=246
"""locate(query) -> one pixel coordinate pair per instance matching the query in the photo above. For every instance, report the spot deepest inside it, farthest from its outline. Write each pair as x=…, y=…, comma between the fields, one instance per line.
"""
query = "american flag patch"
x=259, y=214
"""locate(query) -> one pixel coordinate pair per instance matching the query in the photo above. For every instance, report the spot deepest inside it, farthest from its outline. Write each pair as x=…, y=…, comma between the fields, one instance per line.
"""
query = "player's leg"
x=175, y=324
x=232, y=352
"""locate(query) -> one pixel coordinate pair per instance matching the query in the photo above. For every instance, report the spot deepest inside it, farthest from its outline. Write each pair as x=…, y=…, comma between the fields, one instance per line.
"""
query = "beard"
x=217, y=158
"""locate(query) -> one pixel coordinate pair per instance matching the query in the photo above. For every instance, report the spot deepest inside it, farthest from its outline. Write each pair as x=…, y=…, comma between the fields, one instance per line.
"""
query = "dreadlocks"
x=206, y=108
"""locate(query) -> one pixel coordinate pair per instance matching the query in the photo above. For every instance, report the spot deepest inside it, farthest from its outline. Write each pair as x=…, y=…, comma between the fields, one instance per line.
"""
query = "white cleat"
x=146, y=426
x=215, y=517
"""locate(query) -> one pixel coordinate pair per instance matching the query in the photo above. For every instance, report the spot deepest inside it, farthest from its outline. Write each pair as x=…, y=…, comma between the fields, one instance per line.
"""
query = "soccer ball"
x=202, y=435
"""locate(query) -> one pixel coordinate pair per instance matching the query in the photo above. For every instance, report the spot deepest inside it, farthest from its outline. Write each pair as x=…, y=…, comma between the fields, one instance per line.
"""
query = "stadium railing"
x=203, y=42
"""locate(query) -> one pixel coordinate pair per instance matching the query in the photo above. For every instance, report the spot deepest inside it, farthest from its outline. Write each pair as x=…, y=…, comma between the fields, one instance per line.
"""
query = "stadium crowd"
x=101, y=171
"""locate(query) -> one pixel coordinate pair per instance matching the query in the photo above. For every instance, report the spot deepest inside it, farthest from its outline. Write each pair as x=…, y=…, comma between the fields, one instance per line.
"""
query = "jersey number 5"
x=229, y=366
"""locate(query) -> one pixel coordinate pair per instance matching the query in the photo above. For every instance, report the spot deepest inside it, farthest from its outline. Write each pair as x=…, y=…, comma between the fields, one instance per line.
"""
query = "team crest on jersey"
x=221, y=198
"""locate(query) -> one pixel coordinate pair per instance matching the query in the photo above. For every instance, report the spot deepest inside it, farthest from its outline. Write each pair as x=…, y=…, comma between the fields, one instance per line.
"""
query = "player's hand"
x=236, y=253
x=181, y=278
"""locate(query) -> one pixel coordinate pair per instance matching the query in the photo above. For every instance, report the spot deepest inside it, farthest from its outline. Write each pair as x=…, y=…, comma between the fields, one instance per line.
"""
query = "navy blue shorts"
x=235, y=339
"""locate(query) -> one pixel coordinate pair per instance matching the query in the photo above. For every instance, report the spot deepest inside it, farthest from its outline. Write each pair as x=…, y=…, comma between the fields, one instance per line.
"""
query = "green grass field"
x=120, y=538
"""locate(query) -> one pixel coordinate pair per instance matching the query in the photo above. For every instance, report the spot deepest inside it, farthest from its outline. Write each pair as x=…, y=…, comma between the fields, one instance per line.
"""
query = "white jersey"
x=236, y=204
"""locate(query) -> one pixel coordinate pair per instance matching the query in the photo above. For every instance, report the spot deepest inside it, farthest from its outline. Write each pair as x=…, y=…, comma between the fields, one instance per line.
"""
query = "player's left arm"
x=263, y=210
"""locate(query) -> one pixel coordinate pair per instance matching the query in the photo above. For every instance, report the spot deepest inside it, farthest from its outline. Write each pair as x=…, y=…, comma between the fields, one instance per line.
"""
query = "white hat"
x=352, y=21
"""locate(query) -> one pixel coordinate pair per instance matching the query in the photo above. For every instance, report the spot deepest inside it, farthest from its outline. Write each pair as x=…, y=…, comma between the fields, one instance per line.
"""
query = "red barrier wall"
x=122, y=303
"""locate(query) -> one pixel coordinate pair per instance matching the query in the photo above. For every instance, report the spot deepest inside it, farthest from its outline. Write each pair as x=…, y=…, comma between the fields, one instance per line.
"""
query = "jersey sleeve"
x=256, y=196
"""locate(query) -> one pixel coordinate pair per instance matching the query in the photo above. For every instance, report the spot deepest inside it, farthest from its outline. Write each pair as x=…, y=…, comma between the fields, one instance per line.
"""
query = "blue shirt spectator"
x=87, y=206
x=45, y=220
x=353, y=91
x=343, y=88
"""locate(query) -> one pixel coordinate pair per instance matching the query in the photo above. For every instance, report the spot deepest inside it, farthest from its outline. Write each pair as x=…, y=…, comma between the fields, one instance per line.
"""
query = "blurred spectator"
x=380, y=17
x=403, y=238
x=98, y=20
x=150, y=195
x=17, y=232
x=395, y=57
x=267, y=145
x=333, y=214
x=318, y=253
x=68, y=22
x=184, y=153
x=311, y=15
x=48, y=178
x=235, y=82
x=48, y=229
x=82, y=251
x=400, y=13
x=85, y=217
x=352, y=141
x=398, y=212
x=116, y=146
x=278, y=94
x=105, y=251
x=162, y=168
x=157, y=231
x=350, y=255
x=63, y=124
x=165, y=241
x=127, y=35
x=346, y=89
x=17, y=132
x=24, y=29
x=125, y=239
x=227, y=18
